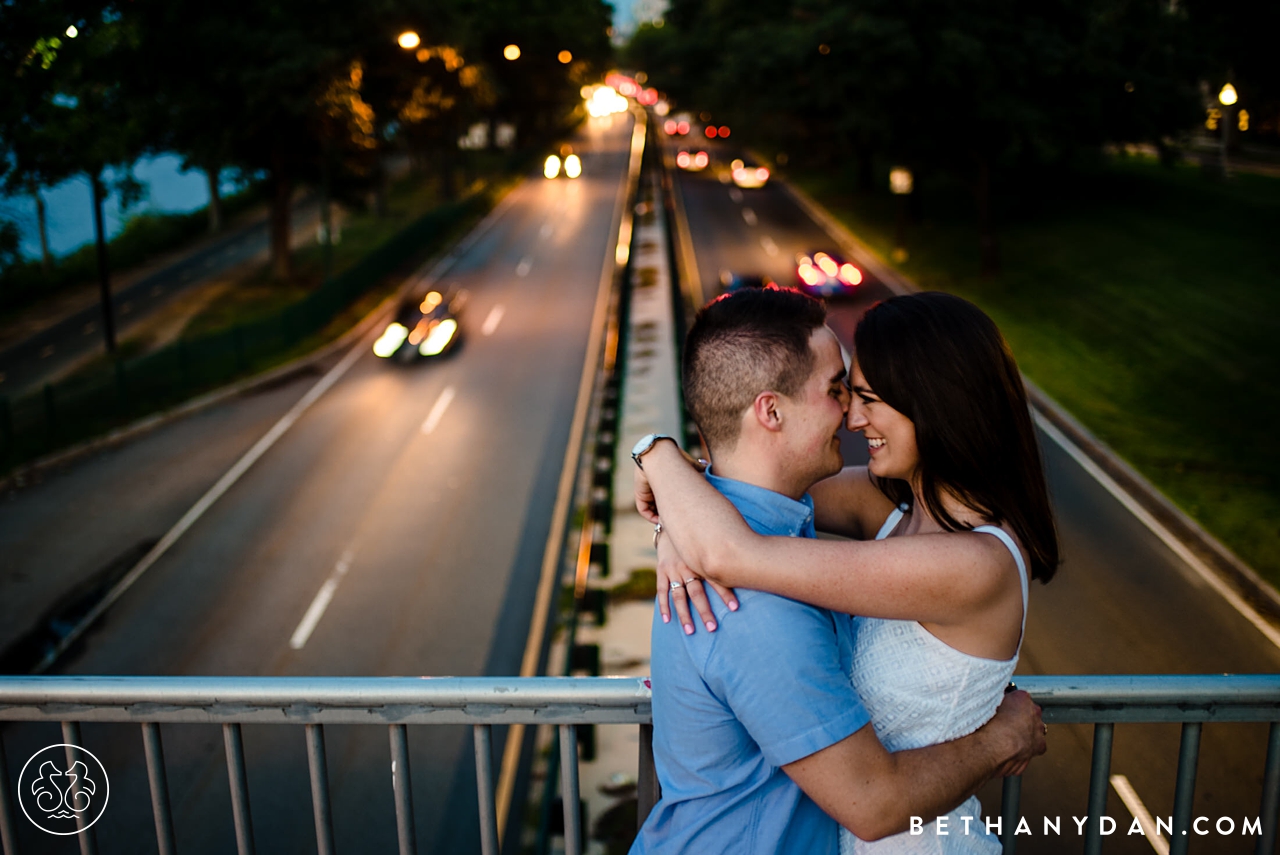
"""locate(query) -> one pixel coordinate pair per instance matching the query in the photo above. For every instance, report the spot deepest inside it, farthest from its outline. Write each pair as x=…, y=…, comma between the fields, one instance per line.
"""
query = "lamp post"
x=1227, y=98
x=901, y=182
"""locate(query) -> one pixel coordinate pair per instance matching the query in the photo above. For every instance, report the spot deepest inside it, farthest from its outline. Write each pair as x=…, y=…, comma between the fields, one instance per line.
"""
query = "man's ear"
x=768, y=411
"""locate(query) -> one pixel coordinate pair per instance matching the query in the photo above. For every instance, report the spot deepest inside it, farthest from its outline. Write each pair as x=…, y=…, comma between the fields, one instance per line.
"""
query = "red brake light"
x=724, y=130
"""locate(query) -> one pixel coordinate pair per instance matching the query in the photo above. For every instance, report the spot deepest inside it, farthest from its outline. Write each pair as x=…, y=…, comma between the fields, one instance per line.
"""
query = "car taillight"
x=683, y=160
x=700, y=159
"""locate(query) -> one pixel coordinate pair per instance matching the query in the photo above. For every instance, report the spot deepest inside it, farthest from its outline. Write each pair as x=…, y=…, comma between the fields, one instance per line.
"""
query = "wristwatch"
x=647, y=442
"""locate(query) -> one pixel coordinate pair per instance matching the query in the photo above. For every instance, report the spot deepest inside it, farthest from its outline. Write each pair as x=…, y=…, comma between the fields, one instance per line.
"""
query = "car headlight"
x=390, y=340
x=572, y=166
x=439, y=337
x=552, y=167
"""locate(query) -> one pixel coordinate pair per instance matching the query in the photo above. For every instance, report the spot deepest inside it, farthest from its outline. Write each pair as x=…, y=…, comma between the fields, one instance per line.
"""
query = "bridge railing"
x=398, y=703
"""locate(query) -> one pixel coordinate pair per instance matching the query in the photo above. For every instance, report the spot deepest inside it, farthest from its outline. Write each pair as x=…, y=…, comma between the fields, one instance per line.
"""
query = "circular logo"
x=62, y=786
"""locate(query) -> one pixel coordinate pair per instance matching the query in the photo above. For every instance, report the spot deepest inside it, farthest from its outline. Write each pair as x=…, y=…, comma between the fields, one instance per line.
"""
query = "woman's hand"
x=646, y=502
x=679, y=584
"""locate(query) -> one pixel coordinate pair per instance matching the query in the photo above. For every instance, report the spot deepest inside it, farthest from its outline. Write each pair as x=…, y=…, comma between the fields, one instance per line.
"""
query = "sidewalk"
x=53, y=338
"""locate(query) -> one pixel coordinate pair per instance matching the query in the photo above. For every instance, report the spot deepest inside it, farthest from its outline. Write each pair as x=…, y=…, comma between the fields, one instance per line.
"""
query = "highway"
x=397, y=528
x=1122, y=601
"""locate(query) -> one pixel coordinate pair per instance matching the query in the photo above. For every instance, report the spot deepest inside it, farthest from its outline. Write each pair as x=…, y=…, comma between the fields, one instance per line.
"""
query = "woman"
x=955, y=497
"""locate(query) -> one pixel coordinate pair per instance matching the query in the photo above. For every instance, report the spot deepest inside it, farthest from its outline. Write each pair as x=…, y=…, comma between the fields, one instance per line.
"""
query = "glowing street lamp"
x=1227, y=97
x=72, y=32
x=408, y=40
x=511, y=52
x=565, y=57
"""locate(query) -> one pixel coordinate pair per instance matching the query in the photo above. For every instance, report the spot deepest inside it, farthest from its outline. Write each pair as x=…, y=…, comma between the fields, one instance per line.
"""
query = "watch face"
x=643, y=445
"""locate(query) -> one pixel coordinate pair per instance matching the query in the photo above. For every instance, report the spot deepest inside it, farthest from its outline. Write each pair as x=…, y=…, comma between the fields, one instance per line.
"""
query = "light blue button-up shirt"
x=770, y=686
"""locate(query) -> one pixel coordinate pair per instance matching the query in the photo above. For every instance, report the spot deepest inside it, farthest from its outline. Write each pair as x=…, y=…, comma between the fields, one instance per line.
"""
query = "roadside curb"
x=1225, y=563
x=425, y=272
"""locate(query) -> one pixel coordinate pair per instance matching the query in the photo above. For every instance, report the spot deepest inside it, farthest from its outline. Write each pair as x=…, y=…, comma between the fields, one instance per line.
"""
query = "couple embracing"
x=830, y=690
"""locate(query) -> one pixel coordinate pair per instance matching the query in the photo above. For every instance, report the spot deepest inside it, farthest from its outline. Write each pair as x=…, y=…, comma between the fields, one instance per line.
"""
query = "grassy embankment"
x=1147, y=302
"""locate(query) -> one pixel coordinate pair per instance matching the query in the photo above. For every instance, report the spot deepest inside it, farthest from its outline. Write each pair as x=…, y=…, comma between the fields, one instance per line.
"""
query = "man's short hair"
x=742, y=344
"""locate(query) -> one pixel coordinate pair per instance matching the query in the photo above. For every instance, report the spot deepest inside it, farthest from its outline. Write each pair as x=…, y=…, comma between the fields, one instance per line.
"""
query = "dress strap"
x=890, y=524
x=1022, y=567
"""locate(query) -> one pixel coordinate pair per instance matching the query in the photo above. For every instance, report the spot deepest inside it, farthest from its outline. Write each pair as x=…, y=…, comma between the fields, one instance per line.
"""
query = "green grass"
x=1146, y=301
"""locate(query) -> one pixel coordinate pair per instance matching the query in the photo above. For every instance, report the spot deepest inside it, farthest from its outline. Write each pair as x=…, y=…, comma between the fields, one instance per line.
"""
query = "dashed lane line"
x=1129, y=796
x=492, y=320
x=437, y=410
x=323, y=597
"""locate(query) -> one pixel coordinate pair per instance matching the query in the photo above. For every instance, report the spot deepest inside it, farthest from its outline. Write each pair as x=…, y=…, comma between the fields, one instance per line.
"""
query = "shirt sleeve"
x=776, y=664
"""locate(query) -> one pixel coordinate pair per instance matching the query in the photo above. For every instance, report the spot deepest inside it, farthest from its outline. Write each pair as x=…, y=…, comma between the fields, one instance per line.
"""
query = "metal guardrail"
x=399, y=702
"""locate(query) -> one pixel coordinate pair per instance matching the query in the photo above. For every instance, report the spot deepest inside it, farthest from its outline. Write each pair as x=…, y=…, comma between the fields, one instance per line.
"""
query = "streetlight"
x=565, y=57
x=408, y=40
x=1227, y=97
x=901, y=183
x=511, y=52
x=72, y=32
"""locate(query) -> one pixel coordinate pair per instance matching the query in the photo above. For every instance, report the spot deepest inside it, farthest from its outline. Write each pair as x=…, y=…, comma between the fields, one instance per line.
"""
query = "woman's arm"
x=849, y=504
x=935, y=578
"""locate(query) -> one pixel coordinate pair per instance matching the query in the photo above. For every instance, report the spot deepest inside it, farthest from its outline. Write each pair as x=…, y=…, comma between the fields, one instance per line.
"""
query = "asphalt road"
x=424, y=490
x=1122, y=602
x=51, y=352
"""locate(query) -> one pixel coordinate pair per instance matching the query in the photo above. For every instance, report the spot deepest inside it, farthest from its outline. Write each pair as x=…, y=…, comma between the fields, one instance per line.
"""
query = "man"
x=761, y=742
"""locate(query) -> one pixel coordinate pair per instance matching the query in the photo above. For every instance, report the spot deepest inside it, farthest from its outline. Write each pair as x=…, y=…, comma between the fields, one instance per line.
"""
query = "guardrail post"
x=88, y=840
x=233, y=741
x=402, y=786
x=1010, y=802
x=320, y=805
x=1188, y=758
x=1099, y=780
x=1270, y=793
x=569, y=793
x=159, y=782
x=648, y=790
x=484, y=787
x=8, y=822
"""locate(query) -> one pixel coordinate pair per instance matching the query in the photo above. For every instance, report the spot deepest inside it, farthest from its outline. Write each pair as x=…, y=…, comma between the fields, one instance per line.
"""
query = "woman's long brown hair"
x=941, y=362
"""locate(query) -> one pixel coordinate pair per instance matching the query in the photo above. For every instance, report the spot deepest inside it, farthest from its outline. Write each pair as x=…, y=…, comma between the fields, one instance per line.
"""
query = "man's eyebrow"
x=861, y=390
x=839, y=375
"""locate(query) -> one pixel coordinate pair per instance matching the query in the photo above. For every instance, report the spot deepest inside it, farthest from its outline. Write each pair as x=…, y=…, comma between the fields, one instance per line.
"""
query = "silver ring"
x=657, y=530
x=690, y=581
x=675, y=584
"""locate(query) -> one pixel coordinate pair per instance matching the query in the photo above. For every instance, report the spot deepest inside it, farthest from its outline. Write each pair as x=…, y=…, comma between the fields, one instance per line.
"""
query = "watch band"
x=647, y=442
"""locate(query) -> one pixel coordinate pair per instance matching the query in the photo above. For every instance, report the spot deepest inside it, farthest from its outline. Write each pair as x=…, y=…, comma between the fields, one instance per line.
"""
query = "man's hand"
x=1017, y=722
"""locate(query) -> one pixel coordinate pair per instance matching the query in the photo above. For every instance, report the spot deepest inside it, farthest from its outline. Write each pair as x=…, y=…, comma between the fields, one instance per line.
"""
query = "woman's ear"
x=767, y=411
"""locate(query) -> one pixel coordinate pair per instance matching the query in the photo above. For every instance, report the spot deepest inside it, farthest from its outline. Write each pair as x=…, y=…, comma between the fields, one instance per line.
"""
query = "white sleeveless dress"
x=919, y=691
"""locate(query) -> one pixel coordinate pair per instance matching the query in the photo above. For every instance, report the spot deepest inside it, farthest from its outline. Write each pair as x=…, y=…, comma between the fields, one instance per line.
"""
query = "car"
x=565, y=163
x=692, y=161
x=423, y=327
x=749, y=177
x=826, y=274
x=737, y=281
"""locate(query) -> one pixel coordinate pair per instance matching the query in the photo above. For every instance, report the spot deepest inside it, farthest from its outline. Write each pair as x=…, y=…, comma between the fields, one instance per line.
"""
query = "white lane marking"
x=437, y=410
x=1130, y=798
x=769, y=246
x=735, y=194
x=546, y=230
x=522, y=269
x=1157, y=528
x=323, y=597
x=750, y=216
x=491, y=322
x=207, y=500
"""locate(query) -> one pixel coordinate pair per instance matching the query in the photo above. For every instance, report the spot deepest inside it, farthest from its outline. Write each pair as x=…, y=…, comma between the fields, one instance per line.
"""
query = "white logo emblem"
x=61, y=786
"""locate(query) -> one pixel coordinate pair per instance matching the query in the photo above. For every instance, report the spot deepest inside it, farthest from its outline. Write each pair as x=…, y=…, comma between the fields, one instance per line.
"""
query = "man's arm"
x=874, y=793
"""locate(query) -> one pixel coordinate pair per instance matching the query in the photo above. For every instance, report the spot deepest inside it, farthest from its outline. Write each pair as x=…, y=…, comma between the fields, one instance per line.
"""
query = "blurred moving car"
x=423, y=327
x=692, y=161
x=737, y=281
x=825, y=274
x=749, y=177
x=566, y=162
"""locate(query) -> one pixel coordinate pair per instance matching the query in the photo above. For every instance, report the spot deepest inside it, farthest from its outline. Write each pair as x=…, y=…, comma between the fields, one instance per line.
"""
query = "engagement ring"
x=675, y=584
x=657, y=530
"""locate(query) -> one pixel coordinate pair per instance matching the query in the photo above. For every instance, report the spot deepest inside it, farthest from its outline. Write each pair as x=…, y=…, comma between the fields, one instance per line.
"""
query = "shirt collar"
x=766, y=511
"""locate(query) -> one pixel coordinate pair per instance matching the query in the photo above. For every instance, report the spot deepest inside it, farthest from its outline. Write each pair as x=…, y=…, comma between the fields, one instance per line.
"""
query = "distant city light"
x=511, y=52
x=1228, y=95
x=565, y=57
x=824, y=49
x=900, y=181
x=408, y=40
x=1243, y=120
x=72, y=32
